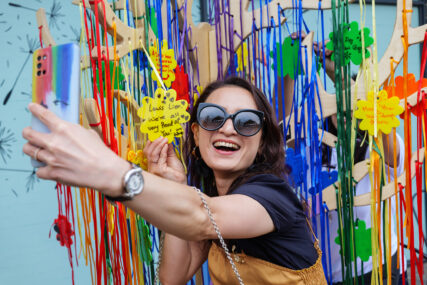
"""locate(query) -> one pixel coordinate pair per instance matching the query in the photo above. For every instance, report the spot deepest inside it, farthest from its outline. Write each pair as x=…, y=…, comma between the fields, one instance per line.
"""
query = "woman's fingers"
x=295, y=35
x=147, y=146
x=171, y=151
x=32, y=151
x=37, y=153
x=163, y=155
x=46, y=116
x=150, y=146
x=35, y=138
x=160, y=153
x=153, y=149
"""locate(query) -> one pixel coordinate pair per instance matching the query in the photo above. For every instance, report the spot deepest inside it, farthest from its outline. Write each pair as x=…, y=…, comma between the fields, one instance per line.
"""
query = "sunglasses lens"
x=211, y=118
x=247, y=123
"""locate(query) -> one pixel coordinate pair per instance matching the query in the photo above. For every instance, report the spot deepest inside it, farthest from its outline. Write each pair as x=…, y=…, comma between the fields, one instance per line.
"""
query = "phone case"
x=56, y=84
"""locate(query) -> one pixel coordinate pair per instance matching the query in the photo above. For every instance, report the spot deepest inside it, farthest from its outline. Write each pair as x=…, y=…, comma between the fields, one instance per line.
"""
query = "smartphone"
x=56, y=84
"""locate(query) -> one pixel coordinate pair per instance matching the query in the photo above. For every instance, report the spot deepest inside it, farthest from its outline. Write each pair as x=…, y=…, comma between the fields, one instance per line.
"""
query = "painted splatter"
x=7, y=138
x=32, y=179
x=32, y=45
x=53, y=13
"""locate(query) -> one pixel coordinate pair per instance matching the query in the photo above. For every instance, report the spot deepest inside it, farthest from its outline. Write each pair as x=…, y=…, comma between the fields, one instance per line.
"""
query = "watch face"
x=135, y=182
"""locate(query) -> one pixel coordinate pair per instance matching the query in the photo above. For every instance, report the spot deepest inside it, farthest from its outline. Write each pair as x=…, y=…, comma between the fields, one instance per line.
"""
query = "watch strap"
x=125, y=196
x=118, y=198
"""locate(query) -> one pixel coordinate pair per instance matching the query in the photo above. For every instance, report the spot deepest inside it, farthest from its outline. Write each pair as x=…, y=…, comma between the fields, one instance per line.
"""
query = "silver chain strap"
x=221, y=240
x=161, y=241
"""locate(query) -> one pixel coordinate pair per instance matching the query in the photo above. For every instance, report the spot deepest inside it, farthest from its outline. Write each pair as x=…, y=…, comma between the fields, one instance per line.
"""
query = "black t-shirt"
x=291, y=243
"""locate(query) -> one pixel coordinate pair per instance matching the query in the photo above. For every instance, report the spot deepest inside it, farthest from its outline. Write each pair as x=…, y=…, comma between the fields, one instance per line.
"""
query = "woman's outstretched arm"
x=77, y=156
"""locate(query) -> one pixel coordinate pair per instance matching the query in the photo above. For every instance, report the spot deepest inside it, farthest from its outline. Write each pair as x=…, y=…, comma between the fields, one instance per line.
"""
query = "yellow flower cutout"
x=163, y=115
x=168, y=63
x=387, y=110
x=137, y=158
x=242, y=63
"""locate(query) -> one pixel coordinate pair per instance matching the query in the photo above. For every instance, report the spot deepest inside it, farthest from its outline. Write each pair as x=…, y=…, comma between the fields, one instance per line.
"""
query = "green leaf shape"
x=353, y=43
x=118, y=81
x=289, y=56
x=362, y=241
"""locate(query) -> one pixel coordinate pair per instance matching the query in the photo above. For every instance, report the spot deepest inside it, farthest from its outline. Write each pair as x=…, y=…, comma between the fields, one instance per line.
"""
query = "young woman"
x=235, y=153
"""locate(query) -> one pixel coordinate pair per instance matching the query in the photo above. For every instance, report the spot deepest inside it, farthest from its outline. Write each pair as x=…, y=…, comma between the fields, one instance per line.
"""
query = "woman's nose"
x=228, y=128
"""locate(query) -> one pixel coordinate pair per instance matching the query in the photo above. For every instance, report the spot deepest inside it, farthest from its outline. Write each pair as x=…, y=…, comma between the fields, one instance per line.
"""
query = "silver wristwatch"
x=133, y=183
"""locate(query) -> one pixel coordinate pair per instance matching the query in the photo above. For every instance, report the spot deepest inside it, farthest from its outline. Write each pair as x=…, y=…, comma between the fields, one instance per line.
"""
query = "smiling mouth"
x=226, y=146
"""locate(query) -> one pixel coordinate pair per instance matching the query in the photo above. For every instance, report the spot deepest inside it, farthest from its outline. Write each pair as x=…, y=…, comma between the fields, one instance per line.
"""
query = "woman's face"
x=224, y=150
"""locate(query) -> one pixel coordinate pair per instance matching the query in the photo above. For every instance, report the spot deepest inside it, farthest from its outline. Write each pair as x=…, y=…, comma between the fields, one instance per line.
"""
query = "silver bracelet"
x=221, y=240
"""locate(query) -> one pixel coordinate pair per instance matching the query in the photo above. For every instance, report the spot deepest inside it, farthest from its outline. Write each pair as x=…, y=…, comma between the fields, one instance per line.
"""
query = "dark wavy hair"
x=270, y=158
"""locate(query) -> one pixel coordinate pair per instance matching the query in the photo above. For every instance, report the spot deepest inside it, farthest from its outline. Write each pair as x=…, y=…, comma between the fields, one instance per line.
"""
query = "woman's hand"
x=163, y=161
x=73, y=155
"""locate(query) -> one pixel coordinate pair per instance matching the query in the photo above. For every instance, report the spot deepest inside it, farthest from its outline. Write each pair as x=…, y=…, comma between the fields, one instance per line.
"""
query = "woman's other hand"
x=73, y=155
x=163, y=161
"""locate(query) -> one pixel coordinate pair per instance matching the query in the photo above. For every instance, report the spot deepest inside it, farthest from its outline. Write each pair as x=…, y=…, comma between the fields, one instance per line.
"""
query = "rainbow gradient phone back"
x=56, y=83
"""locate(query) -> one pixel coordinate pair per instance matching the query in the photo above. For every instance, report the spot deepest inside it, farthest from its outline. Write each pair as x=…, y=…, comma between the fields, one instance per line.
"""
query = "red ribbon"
x=40, y=35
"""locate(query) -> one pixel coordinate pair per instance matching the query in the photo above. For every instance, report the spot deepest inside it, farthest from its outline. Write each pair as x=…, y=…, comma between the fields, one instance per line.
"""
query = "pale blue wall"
x=27, y=254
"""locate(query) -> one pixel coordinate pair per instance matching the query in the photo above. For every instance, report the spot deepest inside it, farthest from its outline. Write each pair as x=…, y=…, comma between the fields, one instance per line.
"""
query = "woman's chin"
x=224, y=169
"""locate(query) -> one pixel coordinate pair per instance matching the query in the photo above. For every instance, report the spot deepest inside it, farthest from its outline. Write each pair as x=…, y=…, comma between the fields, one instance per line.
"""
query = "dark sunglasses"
x=246, y=122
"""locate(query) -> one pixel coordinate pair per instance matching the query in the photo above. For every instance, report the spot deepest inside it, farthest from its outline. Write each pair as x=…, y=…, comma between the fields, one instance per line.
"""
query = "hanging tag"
x=180, y=85
x=290, y=58
x=387, y=110
x=412, y=87
x=163, y=115
x=168, y=63
x=353, y=43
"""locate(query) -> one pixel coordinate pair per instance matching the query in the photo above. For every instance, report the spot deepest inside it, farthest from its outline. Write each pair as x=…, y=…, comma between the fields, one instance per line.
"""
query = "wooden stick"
x=44, y=26
x=93, y=120
x=388, y=190
x=359, y=171
x=128, y=39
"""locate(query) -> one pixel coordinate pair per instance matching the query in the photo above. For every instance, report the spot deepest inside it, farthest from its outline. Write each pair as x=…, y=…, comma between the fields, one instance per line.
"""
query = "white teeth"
x=226, y=144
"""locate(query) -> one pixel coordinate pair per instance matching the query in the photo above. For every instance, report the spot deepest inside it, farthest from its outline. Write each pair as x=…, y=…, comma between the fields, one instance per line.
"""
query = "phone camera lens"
x=39, y=57
x=44, y=72
x=39, y=73
x=39, y=65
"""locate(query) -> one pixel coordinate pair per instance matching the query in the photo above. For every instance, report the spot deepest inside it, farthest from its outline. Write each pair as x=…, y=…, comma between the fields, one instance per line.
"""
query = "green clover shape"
x=289, y=56
x=362, y=241
x=353, y=43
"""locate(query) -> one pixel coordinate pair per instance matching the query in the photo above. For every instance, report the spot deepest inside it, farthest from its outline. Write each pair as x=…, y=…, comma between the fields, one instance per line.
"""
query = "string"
x=90, y=45
x=40, y=36
x=420, y=131
x=392, y=61
x=408, y=145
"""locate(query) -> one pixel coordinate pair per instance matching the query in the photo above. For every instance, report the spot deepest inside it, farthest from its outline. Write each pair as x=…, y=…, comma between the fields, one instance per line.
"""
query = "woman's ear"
x=195, y=130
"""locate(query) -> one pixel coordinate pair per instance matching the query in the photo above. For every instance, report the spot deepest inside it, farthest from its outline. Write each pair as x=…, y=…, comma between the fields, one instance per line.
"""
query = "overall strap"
x=311, y=229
